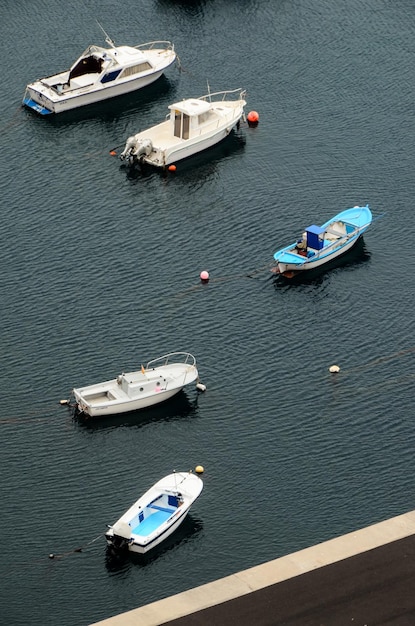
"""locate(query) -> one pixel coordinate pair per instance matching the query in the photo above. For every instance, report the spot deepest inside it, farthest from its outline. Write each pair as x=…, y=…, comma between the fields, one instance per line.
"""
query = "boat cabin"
x=135, y=383
x=122, y=62
x=188, y=117
x=315, y=237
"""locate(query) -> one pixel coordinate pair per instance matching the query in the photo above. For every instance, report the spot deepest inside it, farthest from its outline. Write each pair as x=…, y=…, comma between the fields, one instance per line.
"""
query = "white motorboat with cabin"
x=193, y=125
x=98, y=74
x=156, y=514
x=155, y=382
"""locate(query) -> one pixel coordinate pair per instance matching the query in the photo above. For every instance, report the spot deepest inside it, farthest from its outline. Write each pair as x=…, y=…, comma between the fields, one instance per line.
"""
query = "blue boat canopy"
x=315, y=237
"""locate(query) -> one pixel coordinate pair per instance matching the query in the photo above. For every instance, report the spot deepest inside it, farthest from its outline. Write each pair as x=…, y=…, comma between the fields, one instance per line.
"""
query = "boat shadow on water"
x=203, y=163
x=178, y=407
x=356, y=256
x=117, y=561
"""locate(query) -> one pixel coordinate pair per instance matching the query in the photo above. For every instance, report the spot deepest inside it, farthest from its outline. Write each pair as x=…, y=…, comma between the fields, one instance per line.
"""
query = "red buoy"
x=253, y=118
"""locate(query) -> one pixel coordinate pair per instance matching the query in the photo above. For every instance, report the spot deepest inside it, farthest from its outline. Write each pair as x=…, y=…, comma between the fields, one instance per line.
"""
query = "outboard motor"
x=119, y=543
x=128, y=147
x=121, y=535
x=135, y=149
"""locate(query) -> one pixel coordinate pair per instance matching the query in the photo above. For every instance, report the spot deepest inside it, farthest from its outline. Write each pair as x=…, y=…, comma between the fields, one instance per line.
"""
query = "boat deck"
x=152, y=522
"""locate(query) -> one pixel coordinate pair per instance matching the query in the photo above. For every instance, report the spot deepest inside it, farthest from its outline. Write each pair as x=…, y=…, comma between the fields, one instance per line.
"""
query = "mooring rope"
x=75, y=550
x=379, y=360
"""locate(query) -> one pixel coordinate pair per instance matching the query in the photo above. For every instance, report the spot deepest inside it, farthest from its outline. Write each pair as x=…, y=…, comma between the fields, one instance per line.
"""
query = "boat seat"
x=86, y=80
x=161, y=508
x=336, y=233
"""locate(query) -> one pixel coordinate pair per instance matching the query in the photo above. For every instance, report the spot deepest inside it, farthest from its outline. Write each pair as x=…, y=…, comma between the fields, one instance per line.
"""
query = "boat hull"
x=318, y=262
x=34, y=98
x=139, y=548
x=185, y=150
x=124, y=407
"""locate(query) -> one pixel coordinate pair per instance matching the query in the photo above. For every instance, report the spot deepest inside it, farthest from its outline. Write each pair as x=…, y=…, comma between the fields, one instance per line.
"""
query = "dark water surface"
x=100, y=271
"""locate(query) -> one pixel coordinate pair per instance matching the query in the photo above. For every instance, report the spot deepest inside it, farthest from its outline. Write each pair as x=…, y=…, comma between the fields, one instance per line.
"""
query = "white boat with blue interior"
x=156, y=514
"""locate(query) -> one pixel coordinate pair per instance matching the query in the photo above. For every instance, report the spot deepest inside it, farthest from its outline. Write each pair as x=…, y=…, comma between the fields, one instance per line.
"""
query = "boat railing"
x=151, y=44
x=173, y=357
x=241, y=94
x=206, y=128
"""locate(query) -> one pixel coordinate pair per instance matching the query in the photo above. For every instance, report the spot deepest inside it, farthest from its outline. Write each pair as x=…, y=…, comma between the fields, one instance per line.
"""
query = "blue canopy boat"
x=321, y=244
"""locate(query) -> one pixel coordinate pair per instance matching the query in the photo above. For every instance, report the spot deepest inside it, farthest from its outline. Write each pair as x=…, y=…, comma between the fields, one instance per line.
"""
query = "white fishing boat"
x=98, y=74
x=155, y=382
x=193, y=125
x=319, y=245
x=157, y=514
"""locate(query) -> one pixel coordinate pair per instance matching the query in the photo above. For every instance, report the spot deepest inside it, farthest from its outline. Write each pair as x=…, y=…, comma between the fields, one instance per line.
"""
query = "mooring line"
x=26, y=419
x=75, y=550
x=12, y=121
x=381, y=359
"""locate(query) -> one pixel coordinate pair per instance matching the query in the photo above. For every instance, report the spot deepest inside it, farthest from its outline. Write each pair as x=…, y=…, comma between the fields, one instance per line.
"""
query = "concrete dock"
x=363, y=577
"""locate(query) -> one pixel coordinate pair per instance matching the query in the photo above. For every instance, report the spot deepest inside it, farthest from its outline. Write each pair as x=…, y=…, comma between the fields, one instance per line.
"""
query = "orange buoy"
x=172, y=168
x=113, y=153
x=253, y=118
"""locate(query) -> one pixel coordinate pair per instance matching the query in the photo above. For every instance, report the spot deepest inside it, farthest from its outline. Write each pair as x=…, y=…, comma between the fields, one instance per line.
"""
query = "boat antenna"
x=208, y=88
x=108, y=39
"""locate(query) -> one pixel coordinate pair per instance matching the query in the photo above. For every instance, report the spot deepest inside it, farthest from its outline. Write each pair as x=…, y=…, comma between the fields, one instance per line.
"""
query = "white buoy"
x=201, y=387
x=199, y=469
x=63, y=402
x=334, y=369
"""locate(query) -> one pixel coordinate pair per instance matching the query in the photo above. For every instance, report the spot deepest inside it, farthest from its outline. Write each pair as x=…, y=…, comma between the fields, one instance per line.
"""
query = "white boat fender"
x=201, y=387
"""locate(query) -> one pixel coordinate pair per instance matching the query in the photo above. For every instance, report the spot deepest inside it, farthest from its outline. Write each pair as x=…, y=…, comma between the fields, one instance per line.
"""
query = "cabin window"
x=203, y=117
x=108, y=78
x=136, y=69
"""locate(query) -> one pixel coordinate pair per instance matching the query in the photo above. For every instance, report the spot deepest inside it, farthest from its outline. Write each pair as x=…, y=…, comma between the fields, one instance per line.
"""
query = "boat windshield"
x=87, y=65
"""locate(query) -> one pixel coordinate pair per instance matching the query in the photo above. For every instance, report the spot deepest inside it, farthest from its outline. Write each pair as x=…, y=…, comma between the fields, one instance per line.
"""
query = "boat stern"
x=35, y=100
x=82, y=406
